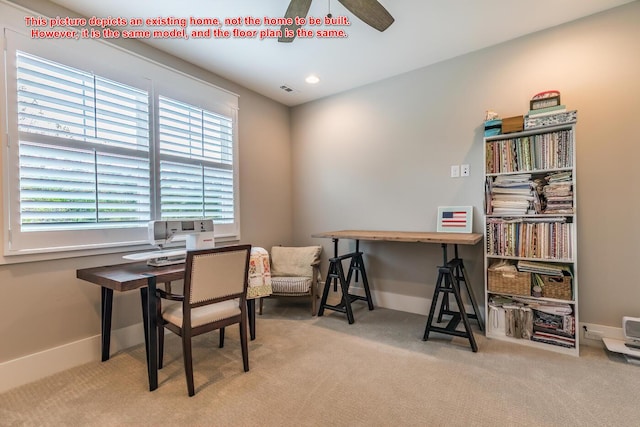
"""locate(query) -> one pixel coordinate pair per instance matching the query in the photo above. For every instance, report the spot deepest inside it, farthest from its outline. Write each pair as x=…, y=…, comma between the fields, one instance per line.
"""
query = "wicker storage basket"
x=556, y=287
x=513, y=283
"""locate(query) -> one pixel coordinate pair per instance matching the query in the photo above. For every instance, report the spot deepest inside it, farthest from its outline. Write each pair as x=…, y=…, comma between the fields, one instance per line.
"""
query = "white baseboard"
x=593, y=337
x=410, y=304
x=35, y=366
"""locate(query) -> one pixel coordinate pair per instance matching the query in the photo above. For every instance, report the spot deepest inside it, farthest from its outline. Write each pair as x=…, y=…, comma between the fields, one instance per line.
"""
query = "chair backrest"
x=294, y=261
x=213, y=275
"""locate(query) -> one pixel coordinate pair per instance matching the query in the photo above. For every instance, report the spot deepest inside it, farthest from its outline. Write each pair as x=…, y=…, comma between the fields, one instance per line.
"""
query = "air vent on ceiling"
x=286, y=88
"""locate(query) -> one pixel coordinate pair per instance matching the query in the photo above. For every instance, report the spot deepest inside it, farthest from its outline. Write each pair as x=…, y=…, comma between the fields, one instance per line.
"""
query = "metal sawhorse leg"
x=336, y=274
x=450, y=275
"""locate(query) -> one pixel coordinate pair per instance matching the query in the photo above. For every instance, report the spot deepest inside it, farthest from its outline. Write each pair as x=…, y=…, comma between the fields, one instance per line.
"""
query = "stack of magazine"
x=558, y=193
x=544, y=268
x=510, y=194
x=554, y=329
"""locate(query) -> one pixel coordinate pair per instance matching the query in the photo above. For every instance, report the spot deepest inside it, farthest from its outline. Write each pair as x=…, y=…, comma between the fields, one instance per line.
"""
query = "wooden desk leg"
x=153, y=335
x=106, y=309
x=149, y=313
x=144, y=302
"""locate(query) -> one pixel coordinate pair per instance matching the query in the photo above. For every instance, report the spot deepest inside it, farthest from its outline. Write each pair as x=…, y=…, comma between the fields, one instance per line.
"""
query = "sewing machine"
x=198, y=234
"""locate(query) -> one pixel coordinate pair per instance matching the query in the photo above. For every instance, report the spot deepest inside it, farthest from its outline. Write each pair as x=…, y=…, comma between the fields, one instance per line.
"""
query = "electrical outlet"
x=464, y=170
x=455, y=171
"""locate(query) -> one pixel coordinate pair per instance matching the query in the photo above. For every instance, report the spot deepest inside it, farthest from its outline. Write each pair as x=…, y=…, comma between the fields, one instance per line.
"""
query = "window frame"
x=158, y=80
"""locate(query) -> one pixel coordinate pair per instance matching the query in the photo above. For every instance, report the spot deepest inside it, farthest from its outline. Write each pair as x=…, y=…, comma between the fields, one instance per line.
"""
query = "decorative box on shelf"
x=512, y=124
x=549, y=98
x=552, y=101
x=492, y=127
x=550, y=120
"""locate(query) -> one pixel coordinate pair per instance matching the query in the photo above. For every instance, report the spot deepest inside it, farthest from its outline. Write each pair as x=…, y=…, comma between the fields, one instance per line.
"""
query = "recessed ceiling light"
x=312, y=79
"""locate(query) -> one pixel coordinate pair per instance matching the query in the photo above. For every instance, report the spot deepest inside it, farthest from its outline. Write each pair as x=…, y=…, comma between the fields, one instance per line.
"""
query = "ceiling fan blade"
x=370, y=12
x=296, y=8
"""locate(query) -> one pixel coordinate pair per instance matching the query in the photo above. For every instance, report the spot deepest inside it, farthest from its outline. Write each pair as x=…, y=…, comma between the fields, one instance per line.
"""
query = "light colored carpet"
x=322, y=371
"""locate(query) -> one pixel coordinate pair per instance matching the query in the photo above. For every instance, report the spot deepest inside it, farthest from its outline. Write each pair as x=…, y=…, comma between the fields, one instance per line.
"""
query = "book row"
x=552, y=150
x=529, y=238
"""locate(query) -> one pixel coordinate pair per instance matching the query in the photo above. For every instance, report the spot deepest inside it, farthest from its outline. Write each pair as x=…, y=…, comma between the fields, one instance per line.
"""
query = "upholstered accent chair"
x=295, y=271
x=215, y=296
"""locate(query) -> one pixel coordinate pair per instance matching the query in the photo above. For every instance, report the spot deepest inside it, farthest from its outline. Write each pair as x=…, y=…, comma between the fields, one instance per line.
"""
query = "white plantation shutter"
x=196, y=163
x=92, y=166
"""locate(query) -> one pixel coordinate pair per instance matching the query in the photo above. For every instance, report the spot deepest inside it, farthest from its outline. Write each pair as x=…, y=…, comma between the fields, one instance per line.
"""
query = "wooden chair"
x=215, y=292
x=295, y=272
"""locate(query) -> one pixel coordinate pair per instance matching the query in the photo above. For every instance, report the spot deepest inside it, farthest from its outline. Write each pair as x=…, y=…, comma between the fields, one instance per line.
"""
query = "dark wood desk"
x=138, y=275
x=450, y=274
x=127, y=277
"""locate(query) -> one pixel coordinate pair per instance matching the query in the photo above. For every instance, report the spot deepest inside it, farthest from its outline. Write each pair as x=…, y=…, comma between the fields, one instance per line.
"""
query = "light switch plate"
x=455, y=171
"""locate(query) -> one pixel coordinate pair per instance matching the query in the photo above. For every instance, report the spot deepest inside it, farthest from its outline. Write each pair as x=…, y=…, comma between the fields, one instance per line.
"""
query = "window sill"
x=80, y=252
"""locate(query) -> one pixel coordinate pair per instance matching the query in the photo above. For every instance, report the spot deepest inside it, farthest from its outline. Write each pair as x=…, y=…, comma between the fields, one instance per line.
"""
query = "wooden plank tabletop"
x=404, y=236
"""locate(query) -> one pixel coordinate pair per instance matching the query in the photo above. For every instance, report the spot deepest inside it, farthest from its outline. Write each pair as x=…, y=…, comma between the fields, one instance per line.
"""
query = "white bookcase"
x=532, y=230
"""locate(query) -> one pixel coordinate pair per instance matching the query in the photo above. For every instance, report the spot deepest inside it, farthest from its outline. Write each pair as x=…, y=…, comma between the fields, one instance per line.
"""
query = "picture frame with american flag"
x=455, y=219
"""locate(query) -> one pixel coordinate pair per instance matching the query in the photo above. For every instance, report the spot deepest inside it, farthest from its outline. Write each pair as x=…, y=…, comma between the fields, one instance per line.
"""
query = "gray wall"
x=43, y=305
x=378, y=157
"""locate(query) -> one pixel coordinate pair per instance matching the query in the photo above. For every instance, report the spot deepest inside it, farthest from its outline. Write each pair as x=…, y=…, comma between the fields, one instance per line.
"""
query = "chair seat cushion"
x=291, y=285
x=203, y=315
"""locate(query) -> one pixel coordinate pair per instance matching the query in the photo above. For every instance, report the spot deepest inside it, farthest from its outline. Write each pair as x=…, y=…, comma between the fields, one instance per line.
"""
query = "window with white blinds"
x=93, y=156
x=90, y=162
x=196, y=162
